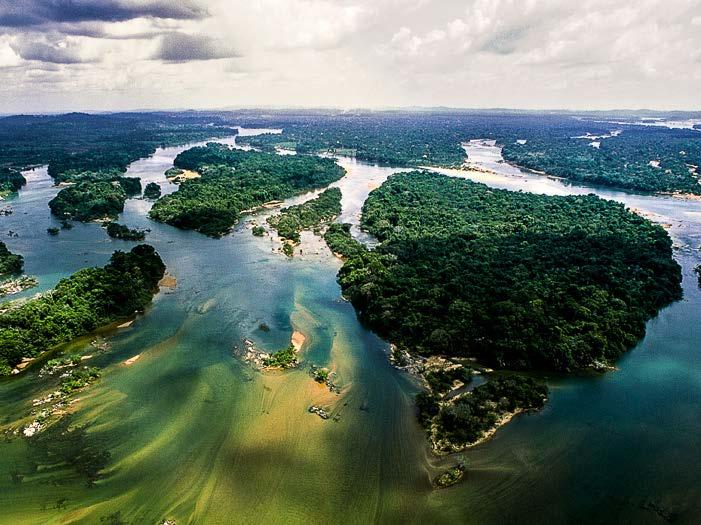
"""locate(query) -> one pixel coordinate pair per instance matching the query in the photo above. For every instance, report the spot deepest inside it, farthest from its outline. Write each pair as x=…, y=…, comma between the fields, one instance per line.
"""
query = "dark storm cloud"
x=25, y=13
x=180, y=47
x=43, y=52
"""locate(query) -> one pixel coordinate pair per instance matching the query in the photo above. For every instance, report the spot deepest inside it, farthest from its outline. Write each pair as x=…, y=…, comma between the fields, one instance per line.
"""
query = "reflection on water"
x=196, y=435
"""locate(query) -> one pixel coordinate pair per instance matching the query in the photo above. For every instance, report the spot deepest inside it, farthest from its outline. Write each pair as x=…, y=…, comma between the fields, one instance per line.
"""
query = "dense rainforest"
x=650, y=159
x=92, y=151
x=79, y=304
x=10, y=263
x=120, y=231
x=518, y=280
x=579, y=147
x=308, y=215
x=455, y=425
x=79, y=142
x=152, y=191
x=340, y=242
x=86, y=201
x=10, y=181
x=233, y=181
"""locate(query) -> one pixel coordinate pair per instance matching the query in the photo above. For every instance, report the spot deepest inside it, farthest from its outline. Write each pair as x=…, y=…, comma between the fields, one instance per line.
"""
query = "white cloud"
x=540, y=53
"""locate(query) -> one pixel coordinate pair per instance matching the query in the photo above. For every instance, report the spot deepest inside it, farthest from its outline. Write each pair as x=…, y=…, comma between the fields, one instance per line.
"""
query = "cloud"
x=55, y=53
x=8, y=56
x=505, y=42
x=25, y=13
x=524, y=53
x=181, y=47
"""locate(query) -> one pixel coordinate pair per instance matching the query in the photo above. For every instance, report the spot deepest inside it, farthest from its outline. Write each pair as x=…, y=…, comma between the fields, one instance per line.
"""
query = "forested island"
x=518, y=281
x=87, y=201
x=120, y=231
x=232, y=181
x=10, y=263
x=88, y=299
x=152, y=191
x=456, y=423
x=11, y=180
x=308, y=215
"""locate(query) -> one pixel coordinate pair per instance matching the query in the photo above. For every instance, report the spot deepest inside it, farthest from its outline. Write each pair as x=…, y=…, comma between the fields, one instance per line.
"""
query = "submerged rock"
x=319, y=412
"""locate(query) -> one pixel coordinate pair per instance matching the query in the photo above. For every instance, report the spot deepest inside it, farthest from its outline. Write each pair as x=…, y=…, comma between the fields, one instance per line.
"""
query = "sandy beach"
x=132, y=360
x=168, y=281
x=298, y=339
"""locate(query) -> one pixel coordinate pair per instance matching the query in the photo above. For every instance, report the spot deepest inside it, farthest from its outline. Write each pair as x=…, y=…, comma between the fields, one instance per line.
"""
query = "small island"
x=87, y=201
x=233, y=181
x=11, y=180
x=282, y=359
x=126, y=285
x=120, y=231
x=10, y=263
x=308, y=215
x=152, y=191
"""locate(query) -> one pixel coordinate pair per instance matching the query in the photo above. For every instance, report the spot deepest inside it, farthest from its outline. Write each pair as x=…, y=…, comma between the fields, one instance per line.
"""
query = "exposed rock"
x=319, y=412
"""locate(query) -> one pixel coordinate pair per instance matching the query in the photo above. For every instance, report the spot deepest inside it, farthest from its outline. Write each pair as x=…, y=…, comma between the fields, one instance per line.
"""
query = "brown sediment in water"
x=168, y=281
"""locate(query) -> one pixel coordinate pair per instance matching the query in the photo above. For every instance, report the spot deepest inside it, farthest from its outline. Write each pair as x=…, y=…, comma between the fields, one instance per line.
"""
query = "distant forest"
x=578, y=147
x=639, y=158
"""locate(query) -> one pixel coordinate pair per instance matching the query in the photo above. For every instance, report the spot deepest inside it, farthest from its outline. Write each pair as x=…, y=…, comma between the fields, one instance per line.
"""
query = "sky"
x=65, y=55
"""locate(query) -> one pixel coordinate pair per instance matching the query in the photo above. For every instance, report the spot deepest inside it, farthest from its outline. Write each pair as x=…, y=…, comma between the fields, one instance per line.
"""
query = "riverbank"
x=15, y=286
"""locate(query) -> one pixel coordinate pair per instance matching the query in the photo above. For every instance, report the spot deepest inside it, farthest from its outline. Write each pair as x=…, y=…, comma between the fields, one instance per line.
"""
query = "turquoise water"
x=195, y=434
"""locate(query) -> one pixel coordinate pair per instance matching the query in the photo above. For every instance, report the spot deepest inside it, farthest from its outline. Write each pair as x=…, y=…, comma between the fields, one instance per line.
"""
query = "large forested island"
x=519, y=280
x=232, y=181
x=79, y=304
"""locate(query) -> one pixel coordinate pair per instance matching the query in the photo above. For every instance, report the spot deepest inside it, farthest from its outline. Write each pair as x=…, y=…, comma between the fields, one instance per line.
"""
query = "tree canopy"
x=79, y=304
x=517, y=279
x=233, y=181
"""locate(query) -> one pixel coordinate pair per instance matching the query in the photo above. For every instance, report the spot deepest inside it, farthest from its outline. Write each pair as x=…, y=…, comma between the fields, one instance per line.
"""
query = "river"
x=194, y=434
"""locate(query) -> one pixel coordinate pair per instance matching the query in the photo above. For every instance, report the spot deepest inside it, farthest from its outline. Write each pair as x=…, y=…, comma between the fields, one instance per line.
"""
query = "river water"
x=196, y=435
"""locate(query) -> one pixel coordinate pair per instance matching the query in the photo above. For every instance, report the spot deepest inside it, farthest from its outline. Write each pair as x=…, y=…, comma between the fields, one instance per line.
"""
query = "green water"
x=196, y=435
